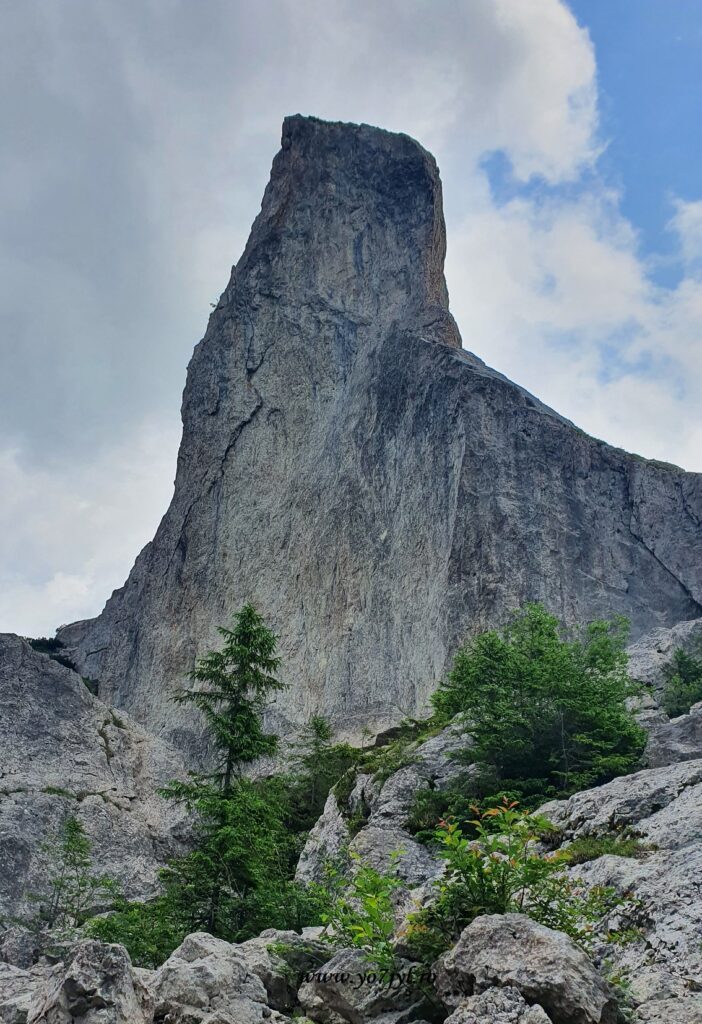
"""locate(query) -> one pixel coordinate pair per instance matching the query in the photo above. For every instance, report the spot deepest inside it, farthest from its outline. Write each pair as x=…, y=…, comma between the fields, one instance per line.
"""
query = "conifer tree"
x=238, y=682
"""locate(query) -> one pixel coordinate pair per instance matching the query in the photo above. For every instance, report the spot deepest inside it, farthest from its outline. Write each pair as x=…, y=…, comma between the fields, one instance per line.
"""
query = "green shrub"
x=71, y=891
x=457, y=802
x=549, y=712
x=683, y=684
x=317, y=765
x=52, y=647
x=149, y=931
x=501, y=872
x=361, y=912
x=589, y=848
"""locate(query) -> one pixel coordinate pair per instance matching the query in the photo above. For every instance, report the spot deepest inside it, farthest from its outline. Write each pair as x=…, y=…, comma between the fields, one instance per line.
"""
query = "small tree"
x=549, y=712
x=72, y=892
x=683, y=683
x=361, y=912
x=238, y=683
x=317, y=764
x=500, y=872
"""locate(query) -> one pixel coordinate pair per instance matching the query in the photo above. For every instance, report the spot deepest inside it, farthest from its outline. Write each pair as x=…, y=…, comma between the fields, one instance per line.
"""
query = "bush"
x=457, y=803
x=51, y=646
x=549, y=712
x=683, y=684
x=72, y=892
x=317, y=765
x=361, y=912
x=501, y=872
x=591, y=847
x=149, y=931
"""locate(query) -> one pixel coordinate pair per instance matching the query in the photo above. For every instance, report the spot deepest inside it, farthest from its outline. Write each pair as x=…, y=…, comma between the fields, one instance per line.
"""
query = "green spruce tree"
x=237, y=684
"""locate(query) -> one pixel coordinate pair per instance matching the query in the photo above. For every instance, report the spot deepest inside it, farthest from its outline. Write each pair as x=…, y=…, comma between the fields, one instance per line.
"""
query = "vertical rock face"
x=374, y=489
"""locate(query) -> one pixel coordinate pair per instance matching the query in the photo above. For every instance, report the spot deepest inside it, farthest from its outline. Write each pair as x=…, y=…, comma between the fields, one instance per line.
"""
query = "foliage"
x=235, y=883
x=361, y=913
x=238, y=682
x=683, y=683
x=45, y=644
x=550, y=713
x=149, y=931
x=588, y=848
x=72, y=893
x=317, y=764
x=237, y=879
x=456, y=802
x=500, y=872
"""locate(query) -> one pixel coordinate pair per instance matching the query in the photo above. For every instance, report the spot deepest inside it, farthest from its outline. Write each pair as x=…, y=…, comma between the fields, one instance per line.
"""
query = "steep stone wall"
x=374, y=489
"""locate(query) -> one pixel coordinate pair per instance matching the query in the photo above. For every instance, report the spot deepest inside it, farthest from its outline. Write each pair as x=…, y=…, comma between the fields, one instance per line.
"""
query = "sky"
x=137, y=139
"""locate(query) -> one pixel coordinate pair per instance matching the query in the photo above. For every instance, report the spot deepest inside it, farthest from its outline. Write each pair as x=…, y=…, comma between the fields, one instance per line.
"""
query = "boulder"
x=377, y=843
x=662, y=913
x=18, y=988
x=545, y=967
x=650, y=655
x=206, y=978
x=385, y=806
x=328, y=838
x=397, y=794
x=436, y=756
x=281, y=959
x=672, y=740
x=670, y=1011
x=498, y=1006
x=96, y=985
x=19, y=946
x=661, y=805
x=349, y=989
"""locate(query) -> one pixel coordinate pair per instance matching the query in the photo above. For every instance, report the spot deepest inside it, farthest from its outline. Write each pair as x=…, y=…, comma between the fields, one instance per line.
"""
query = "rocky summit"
x=373, y=488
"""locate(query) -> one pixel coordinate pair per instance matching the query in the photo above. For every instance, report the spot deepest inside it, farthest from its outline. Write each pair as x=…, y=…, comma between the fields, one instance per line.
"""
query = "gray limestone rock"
x=663, y=888
x=385, y=806
x=349, y=989
x=377, y=843
x=18, y=988
x=207, y=979
x=545, y=967
x=670, y=1011
x=672, y=740
x=374, y=489
x=329, y=837
x=97, y=985
x=63, y=752
x=280, y=959
x=498, y=1006
x=652, y=653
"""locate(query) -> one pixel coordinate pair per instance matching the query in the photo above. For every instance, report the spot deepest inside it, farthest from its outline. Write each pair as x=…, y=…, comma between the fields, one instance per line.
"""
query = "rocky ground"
x=504, y=969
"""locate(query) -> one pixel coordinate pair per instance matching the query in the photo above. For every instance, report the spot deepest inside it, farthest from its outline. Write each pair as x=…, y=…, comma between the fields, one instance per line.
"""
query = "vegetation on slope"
x=544, y=711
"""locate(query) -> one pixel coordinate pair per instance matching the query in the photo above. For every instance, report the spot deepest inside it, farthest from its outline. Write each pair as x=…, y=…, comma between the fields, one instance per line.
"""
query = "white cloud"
x=69, y=533
x=557, y=296
x=686, y=222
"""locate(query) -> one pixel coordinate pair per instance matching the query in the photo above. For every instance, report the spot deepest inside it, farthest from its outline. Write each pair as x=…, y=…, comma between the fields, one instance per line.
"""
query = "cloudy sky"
x=137, y=140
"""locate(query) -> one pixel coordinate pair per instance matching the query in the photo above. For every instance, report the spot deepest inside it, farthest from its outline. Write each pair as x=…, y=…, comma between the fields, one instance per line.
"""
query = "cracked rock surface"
x=377, y=491
x=63, y=752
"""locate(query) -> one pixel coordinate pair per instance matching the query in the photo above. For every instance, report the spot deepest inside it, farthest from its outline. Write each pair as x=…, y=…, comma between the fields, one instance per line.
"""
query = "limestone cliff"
x=374, y=489
x=65, y=753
